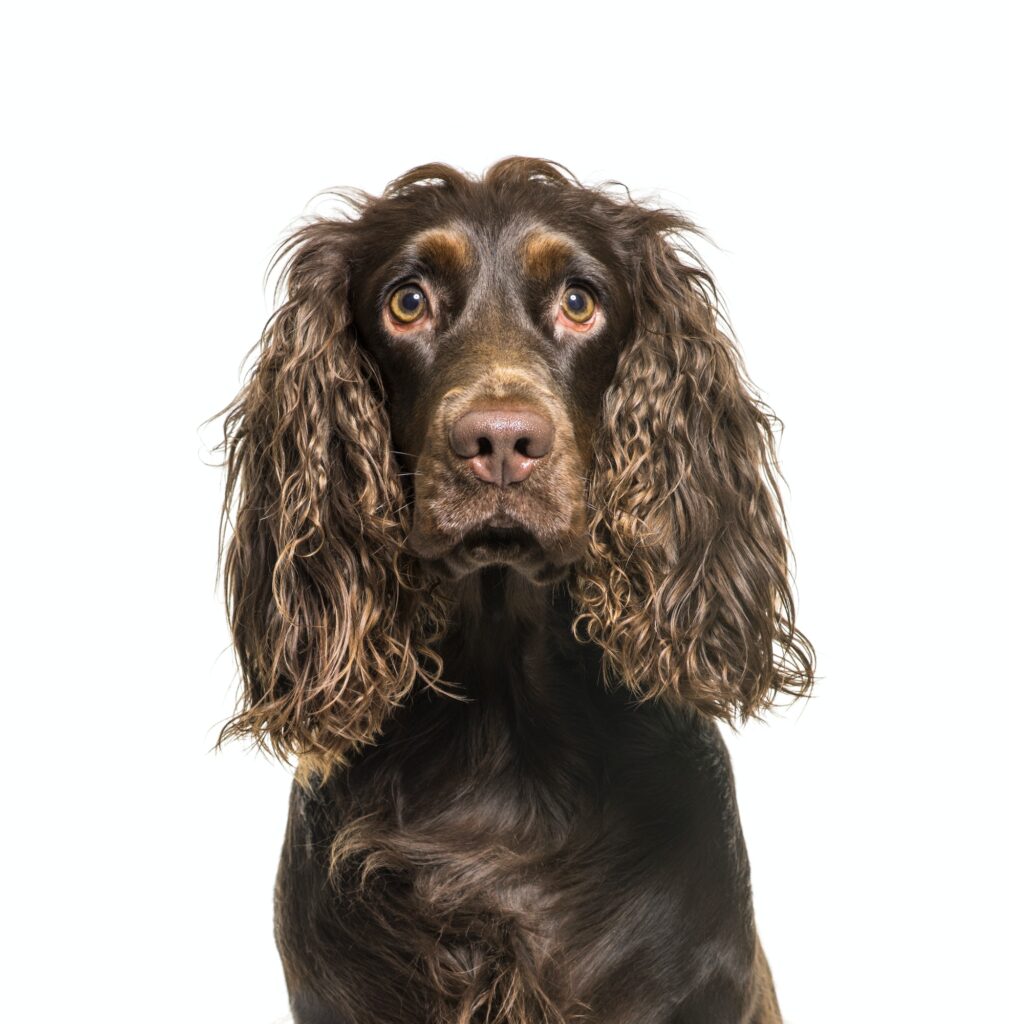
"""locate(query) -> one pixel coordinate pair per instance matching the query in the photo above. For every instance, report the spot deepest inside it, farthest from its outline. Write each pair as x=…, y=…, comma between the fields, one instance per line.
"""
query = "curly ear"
x=685, y=585
x=320, y=597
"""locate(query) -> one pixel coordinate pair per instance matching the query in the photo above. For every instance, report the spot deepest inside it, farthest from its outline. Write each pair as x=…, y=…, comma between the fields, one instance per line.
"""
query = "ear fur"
x=686, y=584
x=321, y=598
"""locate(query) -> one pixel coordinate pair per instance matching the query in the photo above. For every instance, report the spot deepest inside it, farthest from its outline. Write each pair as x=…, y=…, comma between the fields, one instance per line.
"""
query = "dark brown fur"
x=513, y=806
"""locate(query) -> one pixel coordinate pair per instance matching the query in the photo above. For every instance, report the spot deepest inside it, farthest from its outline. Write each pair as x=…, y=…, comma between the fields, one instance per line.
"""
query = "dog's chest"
x=492, y=860
x=493, y=891
x=532, y=867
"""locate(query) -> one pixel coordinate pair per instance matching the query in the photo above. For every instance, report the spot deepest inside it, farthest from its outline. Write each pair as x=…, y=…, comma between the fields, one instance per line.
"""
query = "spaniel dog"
x=506, y=543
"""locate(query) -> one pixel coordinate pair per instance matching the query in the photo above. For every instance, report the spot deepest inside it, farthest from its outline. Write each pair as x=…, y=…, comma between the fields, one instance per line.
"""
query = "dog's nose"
x=502, y=445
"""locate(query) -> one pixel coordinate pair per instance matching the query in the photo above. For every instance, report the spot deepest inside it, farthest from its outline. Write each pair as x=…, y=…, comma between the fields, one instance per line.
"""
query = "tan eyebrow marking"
x=546, y=255
x=447, y=249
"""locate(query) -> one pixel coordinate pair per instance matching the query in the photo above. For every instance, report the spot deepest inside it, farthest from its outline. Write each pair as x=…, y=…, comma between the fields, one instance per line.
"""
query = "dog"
x=505, y=542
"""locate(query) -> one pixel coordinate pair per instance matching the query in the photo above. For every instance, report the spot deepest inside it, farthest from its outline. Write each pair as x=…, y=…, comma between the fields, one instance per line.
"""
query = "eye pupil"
x=408, y=304
x=579, y=305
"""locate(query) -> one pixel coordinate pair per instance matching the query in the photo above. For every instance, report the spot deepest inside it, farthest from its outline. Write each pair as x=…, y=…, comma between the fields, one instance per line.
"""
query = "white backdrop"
x=848, y=162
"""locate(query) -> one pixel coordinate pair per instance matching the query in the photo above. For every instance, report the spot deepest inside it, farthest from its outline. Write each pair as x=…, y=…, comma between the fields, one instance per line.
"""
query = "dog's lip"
x=500, y=539
x=501, y=536
x=502, y=521
x=496, y=540
x=498, y=532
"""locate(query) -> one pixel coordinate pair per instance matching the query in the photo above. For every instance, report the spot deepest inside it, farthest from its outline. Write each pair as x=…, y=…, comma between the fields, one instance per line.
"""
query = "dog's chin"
x=499, y=542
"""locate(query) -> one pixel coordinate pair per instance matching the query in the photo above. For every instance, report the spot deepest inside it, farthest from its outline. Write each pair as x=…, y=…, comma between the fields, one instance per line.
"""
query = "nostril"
x=502, y=445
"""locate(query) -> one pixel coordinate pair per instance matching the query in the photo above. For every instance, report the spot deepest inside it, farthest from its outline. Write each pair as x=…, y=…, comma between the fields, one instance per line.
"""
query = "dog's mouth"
x=498, y=540
x=501, y=545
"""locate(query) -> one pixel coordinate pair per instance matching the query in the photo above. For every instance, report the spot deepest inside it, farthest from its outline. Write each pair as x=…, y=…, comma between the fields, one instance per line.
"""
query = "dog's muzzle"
x=500, y=481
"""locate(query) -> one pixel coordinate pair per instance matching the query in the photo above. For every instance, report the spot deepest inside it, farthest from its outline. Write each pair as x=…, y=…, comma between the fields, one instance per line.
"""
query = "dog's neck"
x=507, y=633
x=498, y=600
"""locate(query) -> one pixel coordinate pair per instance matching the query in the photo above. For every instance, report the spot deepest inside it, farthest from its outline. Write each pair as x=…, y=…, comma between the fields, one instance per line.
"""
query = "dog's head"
x=495, y=312
x=511, y=370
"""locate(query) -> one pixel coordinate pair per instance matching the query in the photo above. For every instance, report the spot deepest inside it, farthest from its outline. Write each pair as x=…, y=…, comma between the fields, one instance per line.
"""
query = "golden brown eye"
x=408, y=304
x=578, y=305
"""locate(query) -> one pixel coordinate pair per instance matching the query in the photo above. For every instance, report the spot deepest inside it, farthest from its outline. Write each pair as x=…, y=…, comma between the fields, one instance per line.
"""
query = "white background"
x=847, y=159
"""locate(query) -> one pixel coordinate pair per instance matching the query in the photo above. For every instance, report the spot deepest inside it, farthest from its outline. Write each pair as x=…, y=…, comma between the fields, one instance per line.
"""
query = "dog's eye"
x=408, y=304
x=578, y=305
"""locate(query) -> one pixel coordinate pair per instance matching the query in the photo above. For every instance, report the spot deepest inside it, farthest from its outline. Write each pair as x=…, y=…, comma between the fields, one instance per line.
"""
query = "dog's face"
x=497, y=333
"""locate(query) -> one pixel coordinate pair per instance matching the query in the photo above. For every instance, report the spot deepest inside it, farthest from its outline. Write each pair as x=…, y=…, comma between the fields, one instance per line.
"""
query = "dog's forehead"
x=489, y=252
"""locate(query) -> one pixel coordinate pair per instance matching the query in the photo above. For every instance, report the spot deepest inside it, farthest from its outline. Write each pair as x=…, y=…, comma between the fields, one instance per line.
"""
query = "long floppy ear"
x=320, y=597
x=686, y=585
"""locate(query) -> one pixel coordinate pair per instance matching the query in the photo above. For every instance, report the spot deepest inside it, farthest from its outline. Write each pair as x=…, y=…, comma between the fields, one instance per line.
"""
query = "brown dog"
x=507, y=539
